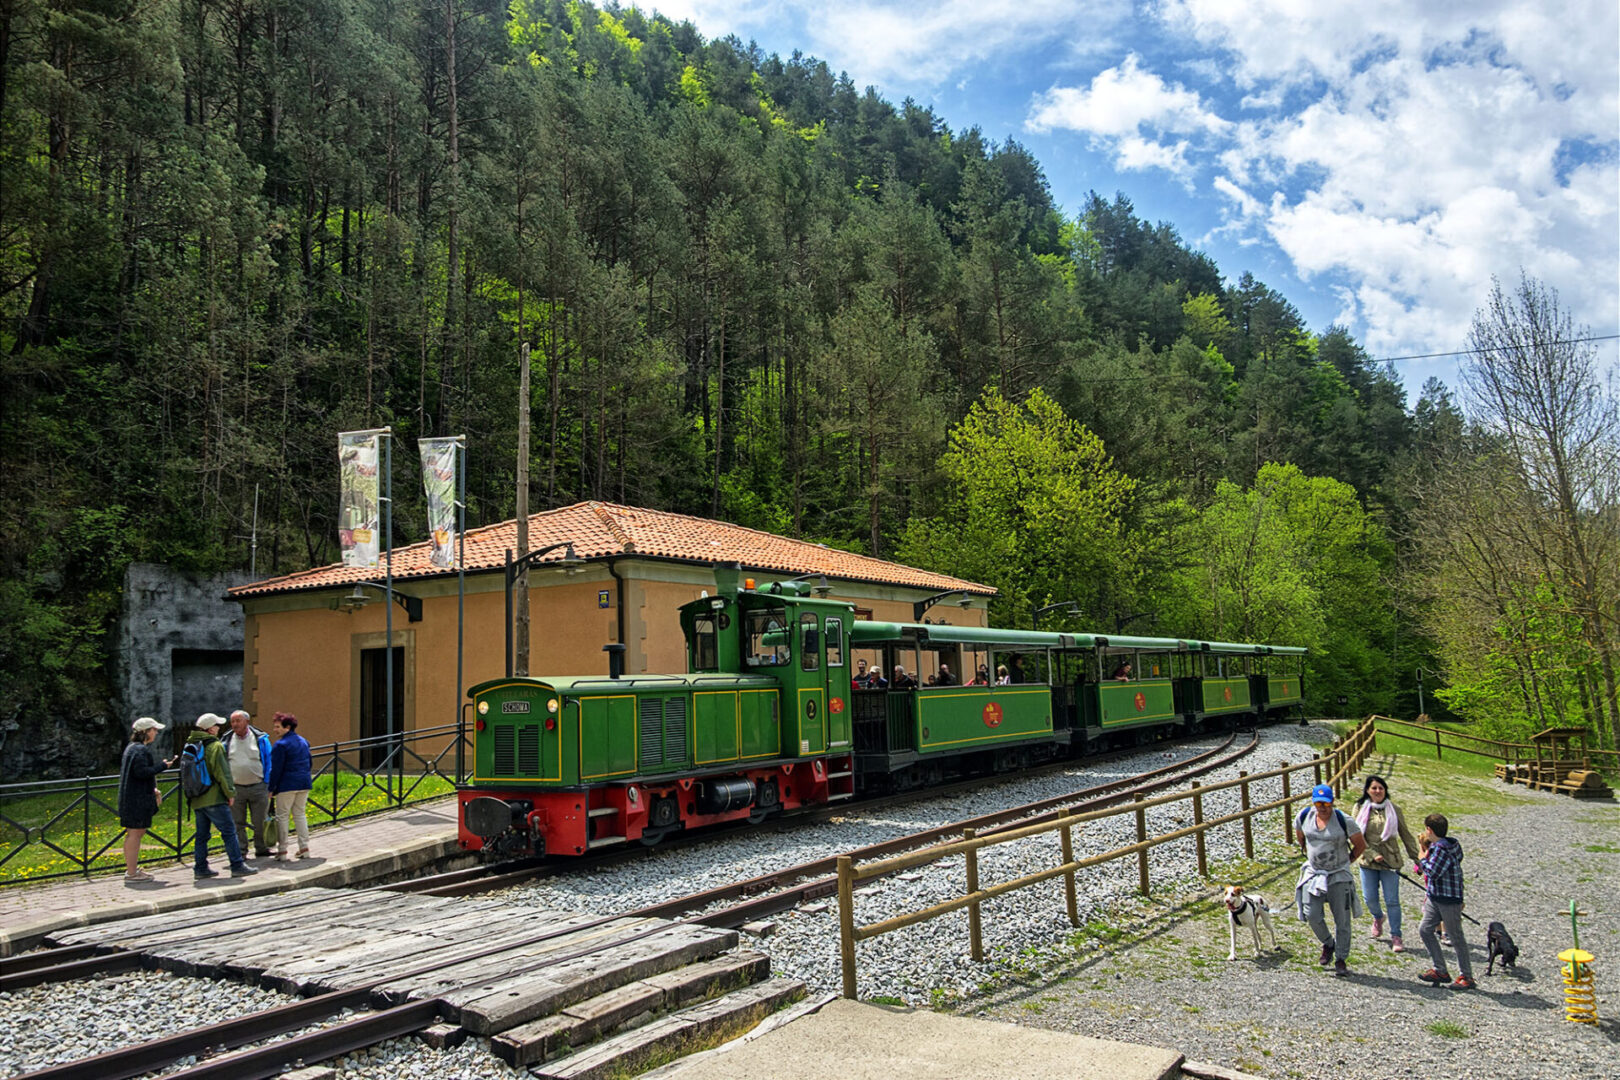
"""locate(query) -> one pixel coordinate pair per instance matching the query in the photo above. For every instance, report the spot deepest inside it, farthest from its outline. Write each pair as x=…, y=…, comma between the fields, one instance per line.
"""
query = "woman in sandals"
x=138, y=793
x=1384, y=827
x=289, y=784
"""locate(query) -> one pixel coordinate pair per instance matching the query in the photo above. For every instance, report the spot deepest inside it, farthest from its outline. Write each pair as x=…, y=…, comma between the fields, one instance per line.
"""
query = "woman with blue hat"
x=1332, y=841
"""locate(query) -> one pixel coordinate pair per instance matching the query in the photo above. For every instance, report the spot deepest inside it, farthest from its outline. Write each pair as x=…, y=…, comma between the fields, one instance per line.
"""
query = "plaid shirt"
x=1442, y=871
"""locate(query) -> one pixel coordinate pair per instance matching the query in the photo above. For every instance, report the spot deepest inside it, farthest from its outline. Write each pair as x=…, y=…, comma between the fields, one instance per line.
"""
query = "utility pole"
x=520, y=663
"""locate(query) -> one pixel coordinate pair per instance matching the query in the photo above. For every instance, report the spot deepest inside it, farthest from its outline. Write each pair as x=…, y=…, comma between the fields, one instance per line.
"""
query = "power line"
x=1526, y=345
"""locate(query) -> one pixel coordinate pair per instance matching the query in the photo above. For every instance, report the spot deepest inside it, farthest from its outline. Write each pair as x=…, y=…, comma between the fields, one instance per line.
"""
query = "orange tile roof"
x=599, y=530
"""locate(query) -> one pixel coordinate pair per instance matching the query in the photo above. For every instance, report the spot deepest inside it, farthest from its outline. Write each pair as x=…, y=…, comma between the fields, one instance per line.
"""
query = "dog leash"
x=1420, y=885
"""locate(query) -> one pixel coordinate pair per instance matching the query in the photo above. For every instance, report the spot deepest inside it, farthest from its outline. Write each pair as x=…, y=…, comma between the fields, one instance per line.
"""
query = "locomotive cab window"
x=835, y=642
x=809, y=643
x=766, y=640
x=705, y=644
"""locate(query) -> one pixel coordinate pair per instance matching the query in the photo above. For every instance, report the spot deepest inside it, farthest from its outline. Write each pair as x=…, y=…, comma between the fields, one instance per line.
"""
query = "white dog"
x=1248, y=910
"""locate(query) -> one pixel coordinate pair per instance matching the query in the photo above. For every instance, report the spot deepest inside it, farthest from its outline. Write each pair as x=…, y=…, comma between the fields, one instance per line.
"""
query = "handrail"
x=389, y=771
x=1523, y=751
x=1340, y=763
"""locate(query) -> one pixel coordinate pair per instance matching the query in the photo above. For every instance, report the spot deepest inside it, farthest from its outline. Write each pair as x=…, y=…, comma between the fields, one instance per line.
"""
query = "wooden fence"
x=1607, y=761
x=1339, y=764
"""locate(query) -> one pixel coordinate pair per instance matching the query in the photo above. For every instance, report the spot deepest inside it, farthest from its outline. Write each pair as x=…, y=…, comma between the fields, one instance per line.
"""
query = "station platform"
x=353, y=852
x=857, y=1041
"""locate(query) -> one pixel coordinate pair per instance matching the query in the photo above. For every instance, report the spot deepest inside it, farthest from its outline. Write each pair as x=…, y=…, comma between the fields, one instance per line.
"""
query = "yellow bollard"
x=1580, y=988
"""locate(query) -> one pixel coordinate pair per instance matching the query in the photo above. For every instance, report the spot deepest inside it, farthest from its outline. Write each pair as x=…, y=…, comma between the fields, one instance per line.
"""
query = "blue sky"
x=1374, y=162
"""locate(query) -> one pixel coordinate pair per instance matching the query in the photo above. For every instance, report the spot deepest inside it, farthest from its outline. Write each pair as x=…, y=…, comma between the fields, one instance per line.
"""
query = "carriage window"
x=809, y=647
x=835, y=642
x=705, y=644
x=766, y=642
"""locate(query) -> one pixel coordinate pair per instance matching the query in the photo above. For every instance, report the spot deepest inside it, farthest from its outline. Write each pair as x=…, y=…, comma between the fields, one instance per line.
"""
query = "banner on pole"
x=359, y=503
x=439, y=480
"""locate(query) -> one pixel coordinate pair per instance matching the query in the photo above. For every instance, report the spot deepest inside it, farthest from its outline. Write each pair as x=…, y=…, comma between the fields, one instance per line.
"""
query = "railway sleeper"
x=548, y=1037
x=690, y=1029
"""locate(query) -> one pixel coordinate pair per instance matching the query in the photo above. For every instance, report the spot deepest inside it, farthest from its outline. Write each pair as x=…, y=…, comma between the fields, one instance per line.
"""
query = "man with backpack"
x=1332, y=841
x=205, y=777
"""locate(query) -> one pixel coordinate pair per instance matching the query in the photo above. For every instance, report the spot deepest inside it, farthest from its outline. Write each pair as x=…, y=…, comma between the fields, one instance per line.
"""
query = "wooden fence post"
x=975, y=935
x=1198, y=819
x=1437, y=744
x=846, y=921
x=1316, y=760
x=1068, y=857
x=1248, y=822
x=1141, y=856
x=1288, y=810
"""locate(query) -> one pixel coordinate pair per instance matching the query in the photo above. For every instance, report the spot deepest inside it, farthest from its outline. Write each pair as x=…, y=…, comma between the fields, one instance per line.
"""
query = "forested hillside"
x=753, y=291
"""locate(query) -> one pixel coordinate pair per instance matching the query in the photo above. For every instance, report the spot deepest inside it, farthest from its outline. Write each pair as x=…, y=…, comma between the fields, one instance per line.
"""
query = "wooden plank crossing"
x=560, y=978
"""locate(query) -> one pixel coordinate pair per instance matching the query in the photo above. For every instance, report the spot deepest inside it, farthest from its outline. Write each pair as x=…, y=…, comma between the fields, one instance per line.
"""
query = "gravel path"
x=1156, y=971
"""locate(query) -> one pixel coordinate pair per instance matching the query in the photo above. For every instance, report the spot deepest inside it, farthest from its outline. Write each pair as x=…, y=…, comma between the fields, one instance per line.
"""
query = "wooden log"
x=491, y=1010
x=681, y=1032
x=442, y=1036
x=490, y=971
x=549, y=1036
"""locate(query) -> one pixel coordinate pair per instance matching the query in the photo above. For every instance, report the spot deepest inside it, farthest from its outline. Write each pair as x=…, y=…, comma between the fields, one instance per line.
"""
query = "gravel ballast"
x=1149, y=970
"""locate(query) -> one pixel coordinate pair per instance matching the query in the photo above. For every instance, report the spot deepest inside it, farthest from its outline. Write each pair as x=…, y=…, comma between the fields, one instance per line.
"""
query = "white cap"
x=146, y=723
x=210, y=720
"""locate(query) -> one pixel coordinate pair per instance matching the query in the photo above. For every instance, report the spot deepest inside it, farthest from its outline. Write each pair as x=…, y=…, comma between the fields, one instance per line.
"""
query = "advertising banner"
x=439, y=480
x=359, y=504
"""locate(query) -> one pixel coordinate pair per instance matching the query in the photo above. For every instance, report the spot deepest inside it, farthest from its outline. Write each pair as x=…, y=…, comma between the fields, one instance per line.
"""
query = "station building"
x=315, y=643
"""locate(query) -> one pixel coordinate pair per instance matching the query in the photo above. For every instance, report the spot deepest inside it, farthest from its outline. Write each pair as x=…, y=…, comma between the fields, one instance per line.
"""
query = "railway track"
x=742, y=902
x=481, y=879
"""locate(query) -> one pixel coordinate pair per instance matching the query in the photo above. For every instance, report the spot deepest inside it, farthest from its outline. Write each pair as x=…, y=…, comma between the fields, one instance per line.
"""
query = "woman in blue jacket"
x=289, y=784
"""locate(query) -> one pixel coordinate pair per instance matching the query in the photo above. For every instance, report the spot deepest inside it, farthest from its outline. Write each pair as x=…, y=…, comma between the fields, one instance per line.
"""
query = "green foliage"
x=1294, y=560
x=1035, y=508
x=750, y=290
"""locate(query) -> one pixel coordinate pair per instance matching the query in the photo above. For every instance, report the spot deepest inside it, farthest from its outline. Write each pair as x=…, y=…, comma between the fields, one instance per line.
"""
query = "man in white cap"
x=213, y=806
x=248, y=751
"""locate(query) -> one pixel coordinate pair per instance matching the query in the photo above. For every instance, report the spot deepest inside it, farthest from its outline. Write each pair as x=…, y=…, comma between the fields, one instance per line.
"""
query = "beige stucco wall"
x=303, y=657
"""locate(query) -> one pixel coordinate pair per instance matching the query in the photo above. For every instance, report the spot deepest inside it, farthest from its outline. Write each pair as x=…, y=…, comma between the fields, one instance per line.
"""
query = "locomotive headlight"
x=483, y=708
x=551, y=706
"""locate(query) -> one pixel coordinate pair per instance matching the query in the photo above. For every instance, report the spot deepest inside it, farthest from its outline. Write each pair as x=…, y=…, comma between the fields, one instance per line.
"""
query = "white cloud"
x=1121, y=101
x=1120, y=108
x=1247, y=205
x=890, y=42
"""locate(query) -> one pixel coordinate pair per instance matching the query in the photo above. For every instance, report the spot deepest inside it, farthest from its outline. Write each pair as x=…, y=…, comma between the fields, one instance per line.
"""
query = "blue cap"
x=1321, y=793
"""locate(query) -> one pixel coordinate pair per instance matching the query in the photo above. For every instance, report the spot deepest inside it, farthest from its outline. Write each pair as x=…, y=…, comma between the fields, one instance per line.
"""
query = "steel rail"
x=821, y=885
x=472, y=882
x=267, y=1061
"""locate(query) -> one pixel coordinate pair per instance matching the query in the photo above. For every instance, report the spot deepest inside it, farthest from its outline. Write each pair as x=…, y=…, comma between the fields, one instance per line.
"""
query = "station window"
x=809, y=647
x=835, y=642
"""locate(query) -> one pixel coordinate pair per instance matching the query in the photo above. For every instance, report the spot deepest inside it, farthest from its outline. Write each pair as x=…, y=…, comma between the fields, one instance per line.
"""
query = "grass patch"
x=886, y=999
x=1606, y=849
x=57, y=833
x=1447, y=1029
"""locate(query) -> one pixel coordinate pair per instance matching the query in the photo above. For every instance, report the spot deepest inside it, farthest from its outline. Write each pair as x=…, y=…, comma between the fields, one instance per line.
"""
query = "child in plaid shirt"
x=1440, y=861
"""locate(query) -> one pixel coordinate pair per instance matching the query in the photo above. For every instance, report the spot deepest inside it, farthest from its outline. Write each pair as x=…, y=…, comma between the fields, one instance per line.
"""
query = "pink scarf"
x=1392, y=820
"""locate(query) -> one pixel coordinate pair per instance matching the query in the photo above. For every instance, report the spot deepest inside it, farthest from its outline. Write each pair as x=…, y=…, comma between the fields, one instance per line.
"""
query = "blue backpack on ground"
x=194, y=778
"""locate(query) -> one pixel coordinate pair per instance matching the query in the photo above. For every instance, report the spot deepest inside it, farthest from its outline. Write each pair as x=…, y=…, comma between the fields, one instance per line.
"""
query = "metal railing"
x=1334, y=767
x=59, y=828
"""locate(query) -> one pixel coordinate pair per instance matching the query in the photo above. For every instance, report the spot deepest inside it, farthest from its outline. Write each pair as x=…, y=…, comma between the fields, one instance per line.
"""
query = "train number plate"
x=510, y=707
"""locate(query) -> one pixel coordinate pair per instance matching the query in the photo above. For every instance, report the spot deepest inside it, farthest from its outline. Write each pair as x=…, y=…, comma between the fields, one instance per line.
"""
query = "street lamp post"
x=514, y=567
x=1072, y=608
